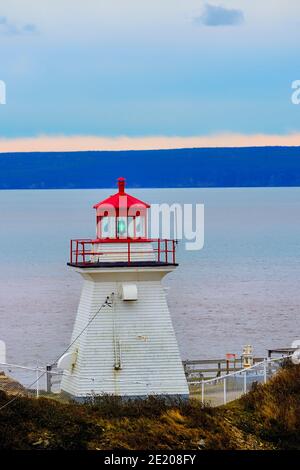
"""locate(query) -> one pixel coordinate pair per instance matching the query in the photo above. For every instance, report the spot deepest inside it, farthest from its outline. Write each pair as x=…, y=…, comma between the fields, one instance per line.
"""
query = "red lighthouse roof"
x=117, y=200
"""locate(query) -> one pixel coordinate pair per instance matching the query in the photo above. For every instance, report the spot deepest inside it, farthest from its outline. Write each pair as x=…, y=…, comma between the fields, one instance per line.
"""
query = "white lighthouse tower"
x=123, y=341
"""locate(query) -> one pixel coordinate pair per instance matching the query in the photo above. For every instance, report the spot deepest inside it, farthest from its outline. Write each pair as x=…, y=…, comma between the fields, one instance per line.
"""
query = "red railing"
x=86, y=252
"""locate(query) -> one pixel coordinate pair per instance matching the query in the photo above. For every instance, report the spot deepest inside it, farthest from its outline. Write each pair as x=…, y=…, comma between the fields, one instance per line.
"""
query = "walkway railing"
x=86, y=252
x=205, y=369
x=34, y=381
x=224, y=389
x=16, y=379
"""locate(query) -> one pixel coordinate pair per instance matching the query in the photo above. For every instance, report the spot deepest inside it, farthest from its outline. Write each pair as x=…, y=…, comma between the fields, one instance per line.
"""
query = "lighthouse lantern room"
x=123, y=340
x=121, y=216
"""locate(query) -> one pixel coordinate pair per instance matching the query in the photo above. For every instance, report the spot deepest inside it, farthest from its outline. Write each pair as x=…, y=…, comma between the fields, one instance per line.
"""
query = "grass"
x=268, y=417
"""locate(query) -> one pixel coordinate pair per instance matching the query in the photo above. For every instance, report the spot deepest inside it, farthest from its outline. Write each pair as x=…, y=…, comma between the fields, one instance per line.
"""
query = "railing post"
x=166, y=251
x=92, y=255
x=71, y=251
x=202, y=392
x=128, y=252
x=76, y=251
x=245, y=382
x=83, y=251
x=174, y=259
x=37, y=383
x=265, y=372
x=225, y=390
x=158, y=250
x=48, y=377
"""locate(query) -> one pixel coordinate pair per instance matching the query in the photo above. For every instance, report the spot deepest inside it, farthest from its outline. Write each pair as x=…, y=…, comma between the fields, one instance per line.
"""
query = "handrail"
x=64, y=373
x=239, y=372
x=164, y=251
x=121, y=240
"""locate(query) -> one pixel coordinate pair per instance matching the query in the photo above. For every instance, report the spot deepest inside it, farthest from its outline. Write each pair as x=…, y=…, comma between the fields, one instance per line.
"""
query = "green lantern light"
x=121, y=227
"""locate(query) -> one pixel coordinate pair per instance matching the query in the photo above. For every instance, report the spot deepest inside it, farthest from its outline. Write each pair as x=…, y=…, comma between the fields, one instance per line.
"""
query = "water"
x=242, y=288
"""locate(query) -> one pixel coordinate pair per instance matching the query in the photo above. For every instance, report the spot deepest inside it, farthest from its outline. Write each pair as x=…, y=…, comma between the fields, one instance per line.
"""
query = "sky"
x=95, y=74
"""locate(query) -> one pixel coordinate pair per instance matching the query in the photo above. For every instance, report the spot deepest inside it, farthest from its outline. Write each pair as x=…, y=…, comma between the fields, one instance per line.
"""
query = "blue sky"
x=141, y=68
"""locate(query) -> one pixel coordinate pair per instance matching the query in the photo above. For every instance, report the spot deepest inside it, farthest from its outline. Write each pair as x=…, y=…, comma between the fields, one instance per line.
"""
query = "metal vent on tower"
x=129, y=292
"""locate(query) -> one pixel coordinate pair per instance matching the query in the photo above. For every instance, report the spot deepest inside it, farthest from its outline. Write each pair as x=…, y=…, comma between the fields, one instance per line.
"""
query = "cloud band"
x=81, y=143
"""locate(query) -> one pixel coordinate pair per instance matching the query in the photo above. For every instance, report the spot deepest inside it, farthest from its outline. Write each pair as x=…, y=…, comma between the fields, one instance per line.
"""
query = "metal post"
x=202, y=392
x=225, y=391
x=245, y=382
x=37, y=383
x=166, y=251
x=93, y=258
x=76, y=251
x=83, y=252
x=48, y=377
x=128, y=252
x=158, y=250
x=269, y=353
x=265, y=373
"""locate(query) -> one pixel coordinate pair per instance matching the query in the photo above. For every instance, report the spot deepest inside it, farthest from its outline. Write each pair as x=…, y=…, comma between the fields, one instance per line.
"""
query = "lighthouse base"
x=125, y=398
x=124, y=347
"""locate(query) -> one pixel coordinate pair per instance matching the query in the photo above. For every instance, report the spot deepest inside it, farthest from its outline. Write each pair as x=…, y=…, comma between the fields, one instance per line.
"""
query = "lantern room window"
x=121, y=227
x=106, y=227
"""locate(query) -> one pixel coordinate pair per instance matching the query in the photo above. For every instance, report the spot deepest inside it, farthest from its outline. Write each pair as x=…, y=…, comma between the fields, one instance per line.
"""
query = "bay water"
x=242, y=288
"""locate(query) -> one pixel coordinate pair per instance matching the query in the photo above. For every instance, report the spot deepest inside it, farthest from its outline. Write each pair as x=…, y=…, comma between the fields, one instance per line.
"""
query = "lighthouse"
x=123, y=341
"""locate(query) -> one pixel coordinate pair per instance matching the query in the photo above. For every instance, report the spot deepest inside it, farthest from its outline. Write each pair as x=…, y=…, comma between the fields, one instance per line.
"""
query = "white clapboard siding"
x=139, y=332
x=151, y=362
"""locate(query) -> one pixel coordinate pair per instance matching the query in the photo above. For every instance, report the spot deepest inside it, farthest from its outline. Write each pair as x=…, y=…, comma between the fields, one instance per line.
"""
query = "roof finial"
x=121, y=184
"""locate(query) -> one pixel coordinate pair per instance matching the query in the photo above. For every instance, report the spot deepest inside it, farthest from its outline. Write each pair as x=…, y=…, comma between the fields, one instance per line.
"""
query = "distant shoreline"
x=226, y=167
x=166, y=188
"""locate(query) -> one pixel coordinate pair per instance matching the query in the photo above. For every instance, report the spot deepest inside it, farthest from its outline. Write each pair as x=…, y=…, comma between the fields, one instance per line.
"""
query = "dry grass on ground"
x=266, y=418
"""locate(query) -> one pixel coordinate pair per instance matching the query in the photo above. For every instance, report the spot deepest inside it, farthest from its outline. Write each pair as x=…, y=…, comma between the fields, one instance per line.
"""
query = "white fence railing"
x=221, y=390
x=36, y=381
x=17, y=379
